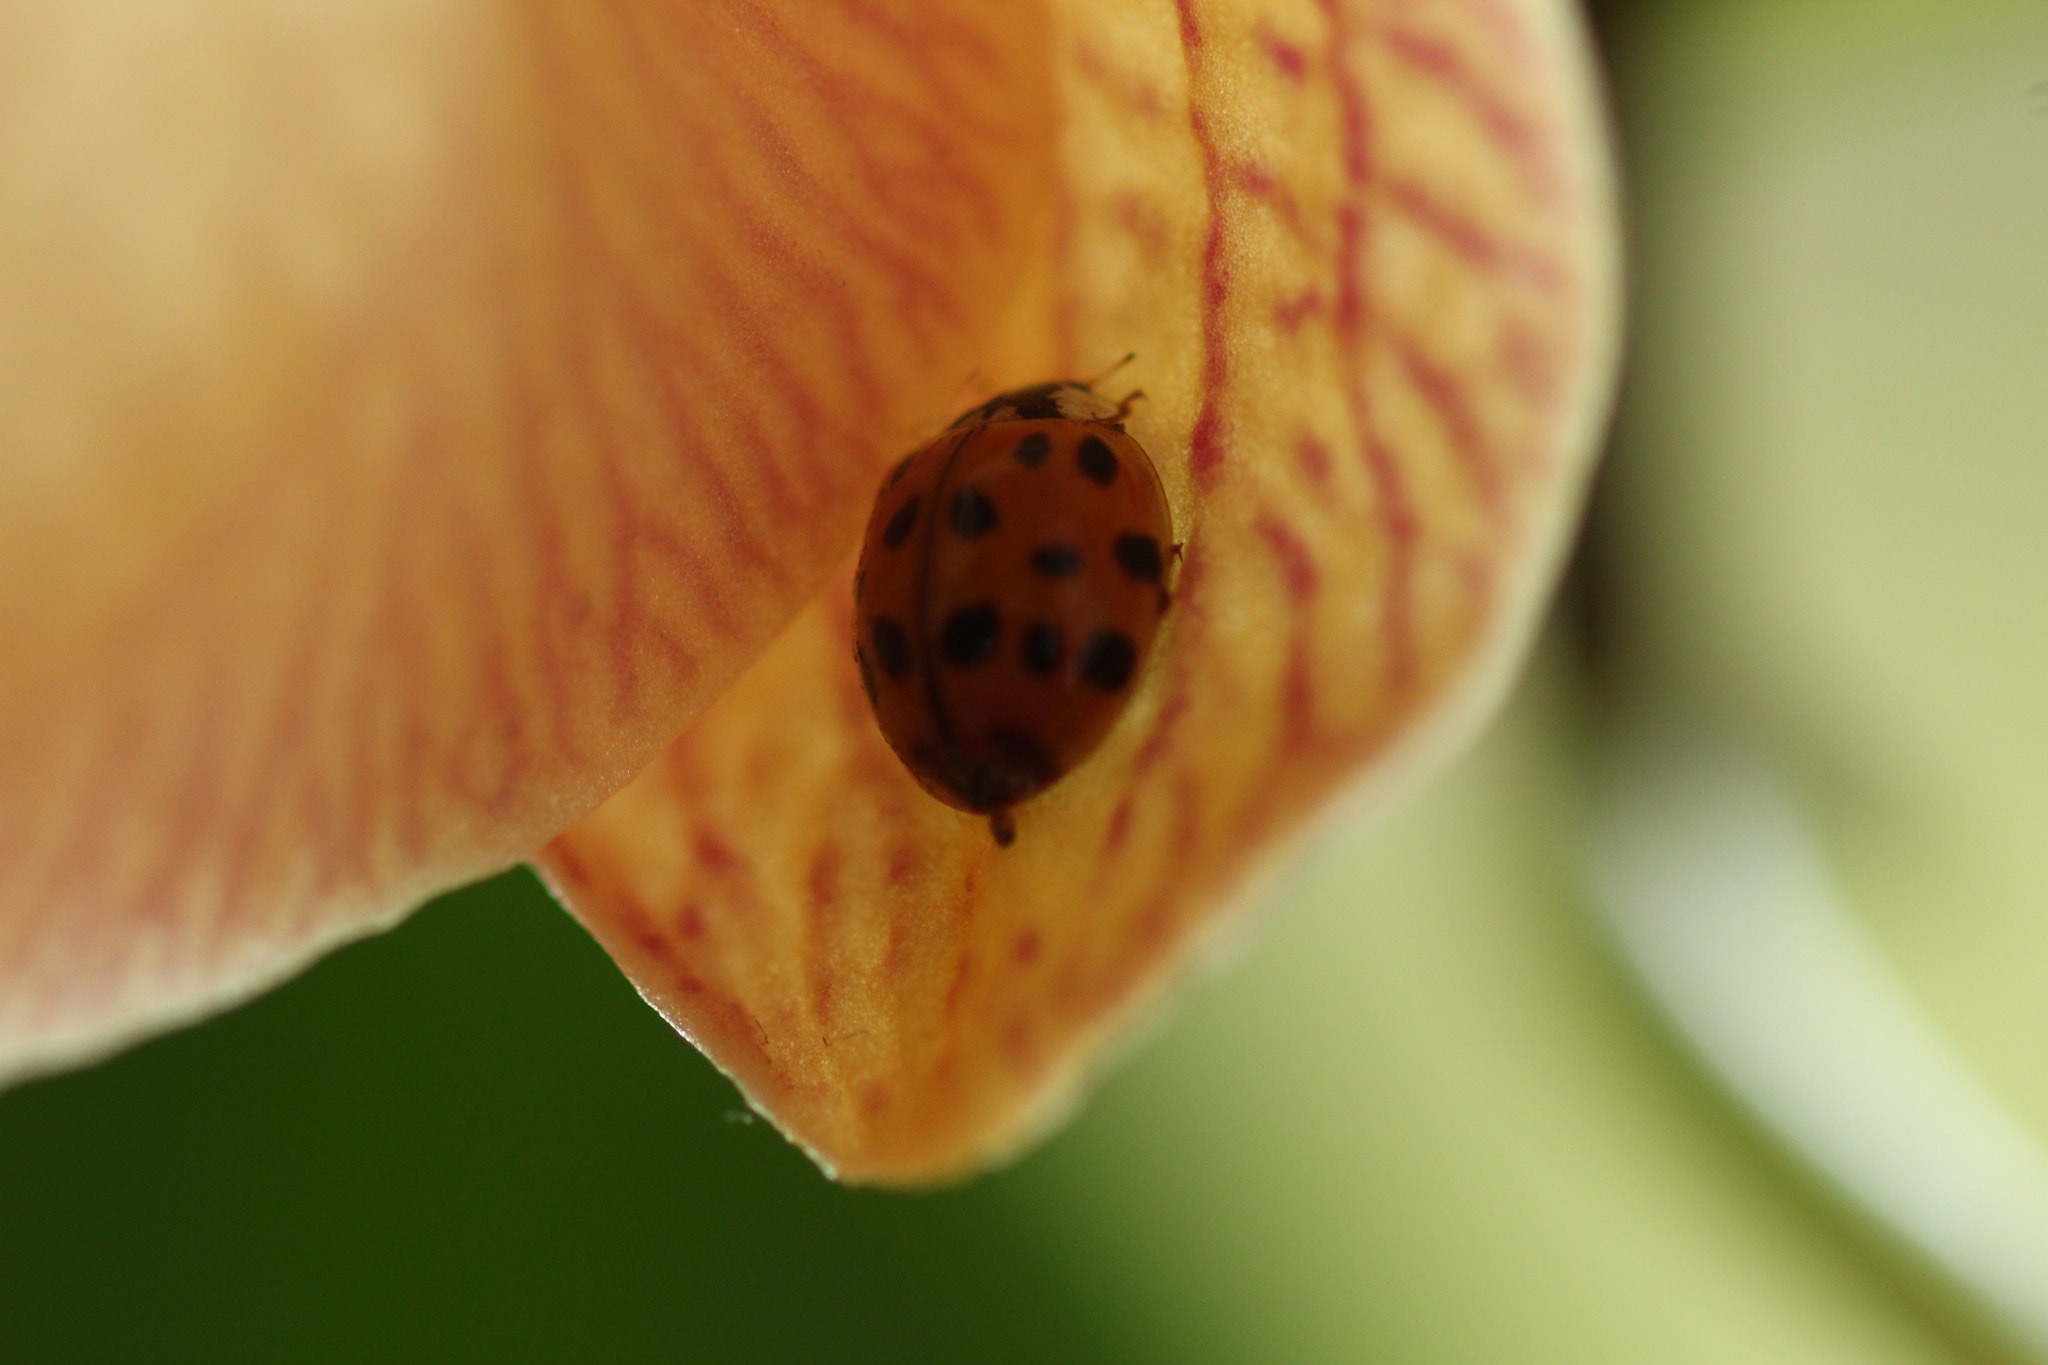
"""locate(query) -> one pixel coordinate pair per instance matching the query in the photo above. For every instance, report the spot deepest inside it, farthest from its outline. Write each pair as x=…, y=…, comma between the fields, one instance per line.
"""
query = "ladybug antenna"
x=1091, y=383
x=1123, y=408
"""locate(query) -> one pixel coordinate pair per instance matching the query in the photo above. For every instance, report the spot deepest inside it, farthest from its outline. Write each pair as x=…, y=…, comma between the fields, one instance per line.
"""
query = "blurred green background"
x=1430, y=1118
x=1423, y=1122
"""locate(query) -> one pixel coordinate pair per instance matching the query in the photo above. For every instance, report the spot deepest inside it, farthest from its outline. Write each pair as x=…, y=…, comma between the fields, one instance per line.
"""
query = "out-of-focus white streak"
x=1720, y=899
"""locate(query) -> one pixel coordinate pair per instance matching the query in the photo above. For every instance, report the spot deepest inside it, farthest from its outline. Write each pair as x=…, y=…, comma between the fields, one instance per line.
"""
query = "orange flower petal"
x=1364, y=253
x=413, y=416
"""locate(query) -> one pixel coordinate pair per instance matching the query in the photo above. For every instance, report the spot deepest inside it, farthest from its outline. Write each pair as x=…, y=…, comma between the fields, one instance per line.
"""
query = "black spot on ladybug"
x=1032, y=450
x=971, y=634
x=867, y=673
x=892, y=645
x=973, y=514
x=902, y=468
x=1107, y=660
x=1056, y=561
x=899, y=527
x=1098, y=461
x=1139, y=556
x=1043, y=647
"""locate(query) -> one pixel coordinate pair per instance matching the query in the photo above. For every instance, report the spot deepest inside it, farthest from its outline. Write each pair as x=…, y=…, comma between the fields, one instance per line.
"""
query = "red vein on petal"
x=1447, y=397
x=198, y=781
x=1298, y=572
x=265, y=793
x=562, y=860
x=1136, y=96
x=1397, y=513
x=1289, y=314
x=1289, y=59
x=1140, y=217
x=1467, y=239
x=1256, y=180
x=786, y=467
x=468, y=768
x=414, y=737
x=941, y=78
x=694, y=569
x=1296, y=563
x=1527, y=362
x=478, y=764
x=699, y=459
x=678, y=359
x=793, y=253
x=1404, y=533
x=1314, y=458
x=786, y=250
x=1510, y=36
x=1118, y=830
x=84, y=844
x=542, y=545
x=1449, y=67
x=693, y=458
x=1207, y=440
x=340, y=806
x=905, y=190
x=921, y=41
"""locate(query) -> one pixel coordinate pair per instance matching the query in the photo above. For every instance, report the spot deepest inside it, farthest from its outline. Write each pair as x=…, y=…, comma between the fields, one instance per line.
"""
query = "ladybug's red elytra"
x=1011, y=583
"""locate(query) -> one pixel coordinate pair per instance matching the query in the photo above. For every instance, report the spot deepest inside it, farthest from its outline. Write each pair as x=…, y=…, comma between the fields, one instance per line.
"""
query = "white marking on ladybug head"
x=1082, y=404
x=1066, y=399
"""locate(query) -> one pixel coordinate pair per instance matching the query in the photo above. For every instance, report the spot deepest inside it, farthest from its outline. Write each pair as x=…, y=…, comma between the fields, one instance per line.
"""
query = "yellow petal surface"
x=1364, y=254
x=412, y=415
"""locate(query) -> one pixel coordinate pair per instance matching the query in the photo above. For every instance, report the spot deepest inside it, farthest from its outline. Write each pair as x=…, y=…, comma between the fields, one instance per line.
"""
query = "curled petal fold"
x=1365, y=255
x=412, y=416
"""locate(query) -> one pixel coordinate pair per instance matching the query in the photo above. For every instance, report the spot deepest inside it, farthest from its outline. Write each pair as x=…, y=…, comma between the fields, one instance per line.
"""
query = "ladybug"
x=1010, y=586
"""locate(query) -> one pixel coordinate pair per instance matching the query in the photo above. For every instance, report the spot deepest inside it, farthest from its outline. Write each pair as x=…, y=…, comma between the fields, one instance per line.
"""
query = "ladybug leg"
x=1165, y=597
x=1002, y=827
x=1123, y=407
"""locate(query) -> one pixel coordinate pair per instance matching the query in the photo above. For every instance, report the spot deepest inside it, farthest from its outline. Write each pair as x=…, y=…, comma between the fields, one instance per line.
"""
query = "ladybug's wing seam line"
x=942, y=720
